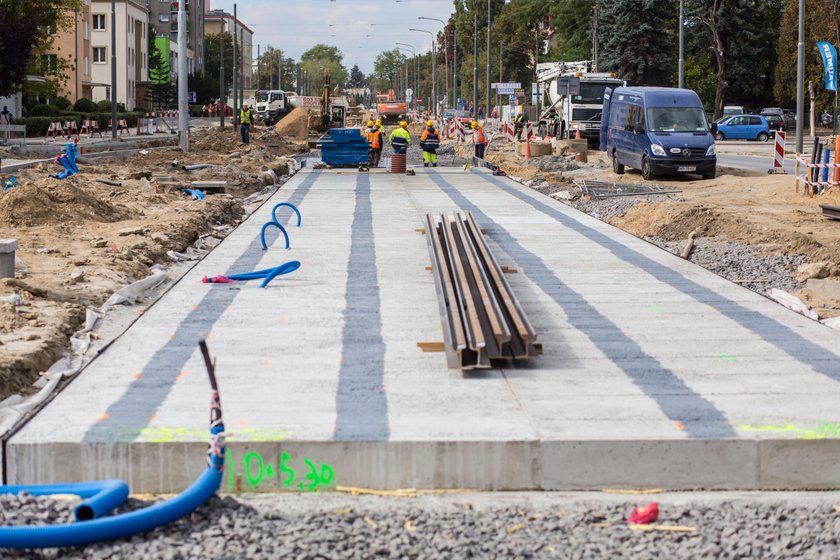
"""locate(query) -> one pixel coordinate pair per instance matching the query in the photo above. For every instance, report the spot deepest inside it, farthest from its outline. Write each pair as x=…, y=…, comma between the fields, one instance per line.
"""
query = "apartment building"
x=131, y=50
x=218, y=19
x=73, y=45
x=163, y=16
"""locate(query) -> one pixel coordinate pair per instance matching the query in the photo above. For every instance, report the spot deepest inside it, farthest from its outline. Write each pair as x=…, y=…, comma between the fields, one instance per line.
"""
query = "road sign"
x=191, y=96
x=506, y=85
x=409, y=92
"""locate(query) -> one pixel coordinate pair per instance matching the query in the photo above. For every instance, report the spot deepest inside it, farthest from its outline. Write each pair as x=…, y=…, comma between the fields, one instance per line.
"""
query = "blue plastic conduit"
x=134, y=522
x=265, y=227
x=290, y=205
x=268, y=274
x=102, y=496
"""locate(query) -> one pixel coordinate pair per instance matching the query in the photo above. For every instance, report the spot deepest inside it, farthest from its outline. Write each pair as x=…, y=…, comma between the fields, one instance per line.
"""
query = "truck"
x=388, y=109
x=571, y=99
x=271, y=105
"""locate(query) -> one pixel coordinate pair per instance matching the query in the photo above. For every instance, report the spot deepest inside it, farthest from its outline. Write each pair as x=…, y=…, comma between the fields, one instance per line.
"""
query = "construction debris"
x=604, y=189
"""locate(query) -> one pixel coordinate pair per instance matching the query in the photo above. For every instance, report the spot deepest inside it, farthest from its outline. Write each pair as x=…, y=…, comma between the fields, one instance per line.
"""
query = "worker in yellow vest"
x=400, y=138
x=245, y=123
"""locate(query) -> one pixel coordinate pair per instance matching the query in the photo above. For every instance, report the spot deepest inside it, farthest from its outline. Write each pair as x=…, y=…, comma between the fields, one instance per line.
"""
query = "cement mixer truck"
x=571, y=99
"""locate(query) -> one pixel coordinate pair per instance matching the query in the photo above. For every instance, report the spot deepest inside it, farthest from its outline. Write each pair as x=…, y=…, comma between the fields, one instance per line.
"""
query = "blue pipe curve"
x=290, y=205
x=102, y=495
x=268, y=274
x=265, y=227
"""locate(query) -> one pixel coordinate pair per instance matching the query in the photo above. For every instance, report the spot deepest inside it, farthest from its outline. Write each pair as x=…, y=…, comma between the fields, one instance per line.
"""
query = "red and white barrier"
x=809, y=184
x=779, y=154
x=509, y=128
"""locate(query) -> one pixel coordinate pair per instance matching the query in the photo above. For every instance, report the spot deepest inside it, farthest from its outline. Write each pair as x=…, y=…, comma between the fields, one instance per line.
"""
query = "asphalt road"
x=759, y=164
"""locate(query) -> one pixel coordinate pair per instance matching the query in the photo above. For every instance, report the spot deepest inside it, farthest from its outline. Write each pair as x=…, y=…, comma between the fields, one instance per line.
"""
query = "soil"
x=80, y=240
x=752, y=228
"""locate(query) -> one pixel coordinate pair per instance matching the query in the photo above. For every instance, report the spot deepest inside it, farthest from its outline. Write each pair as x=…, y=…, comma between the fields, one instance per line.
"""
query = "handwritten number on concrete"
x=284, y=457
x=257, y=471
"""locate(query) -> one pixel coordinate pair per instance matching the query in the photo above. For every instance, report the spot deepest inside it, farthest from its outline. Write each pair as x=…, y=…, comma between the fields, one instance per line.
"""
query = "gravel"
x=460, y=526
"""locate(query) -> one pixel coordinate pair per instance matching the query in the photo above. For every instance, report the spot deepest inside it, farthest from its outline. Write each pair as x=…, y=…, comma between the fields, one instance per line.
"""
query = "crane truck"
x=571, y=99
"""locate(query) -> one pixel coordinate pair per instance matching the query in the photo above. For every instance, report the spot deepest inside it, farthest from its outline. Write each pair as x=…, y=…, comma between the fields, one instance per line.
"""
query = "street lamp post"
x=114, y=69
x=434, y=60
x=183, y=106
x=800, y=78
x=475, y=64
x=413, y=69
x=487, y=69
x=416, y=72
x=221, y=71
x=681, y=62
x=445, y=57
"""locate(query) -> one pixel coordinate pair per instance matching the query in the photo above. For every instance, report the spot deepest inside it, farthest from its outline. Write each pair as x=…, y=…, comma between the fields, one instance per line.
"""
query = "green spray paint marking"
x=727, y=357
x=825, y=430
x=258, y=470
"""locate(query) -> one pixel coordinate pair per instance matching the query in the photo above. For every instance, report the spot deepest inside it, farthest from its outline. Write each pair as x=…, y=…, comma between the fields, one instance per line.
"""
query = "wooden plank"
x=431, y=346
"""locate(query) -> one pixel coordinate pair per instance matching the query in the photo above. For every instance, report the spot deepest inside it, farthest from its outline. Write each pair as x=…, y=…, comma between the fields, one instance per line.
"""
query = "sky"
x=360, y=28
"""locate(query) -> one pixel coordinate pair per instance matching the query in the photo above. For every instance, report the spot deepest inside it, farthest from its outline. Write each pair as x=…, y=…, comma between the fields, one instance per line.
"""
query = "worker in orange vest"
x=374, y=138
x=478, y=139
x=430, y=142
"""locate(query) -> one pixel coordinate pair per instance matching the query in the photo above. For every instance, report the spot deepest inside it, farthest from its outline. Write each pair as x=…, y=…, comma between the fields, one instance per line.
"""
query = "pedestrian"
x=375, y=143
x=430, y=141
x=400, y=138
x=518, y=124
x=478, y=139
x=5, y=116
x=480, y=114
x=212, y=109
x=245, y=123
x=494, y=114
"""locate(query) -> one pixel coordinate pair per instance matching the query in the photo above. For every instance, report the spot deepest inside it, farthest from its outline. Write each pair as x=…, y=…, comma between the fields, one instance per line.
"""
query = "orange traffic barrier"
x=577, y=134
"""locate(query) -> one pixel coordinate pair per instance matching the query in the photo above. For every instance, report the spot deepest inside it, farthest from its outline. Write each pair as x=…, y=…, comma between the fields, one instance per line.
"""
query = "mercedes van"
x=659, y=131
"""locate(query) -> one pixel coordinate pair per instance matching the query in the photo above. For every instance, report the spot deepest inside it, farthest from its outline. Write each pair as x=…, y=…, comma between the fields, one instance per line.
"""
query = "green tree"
x=325, y=57
x=632, y=41
x=386, y=67
x=572, y=22
x=212, y=61
x=818, y=27
x=276, y=70
x=357, y=78
x=162, y=92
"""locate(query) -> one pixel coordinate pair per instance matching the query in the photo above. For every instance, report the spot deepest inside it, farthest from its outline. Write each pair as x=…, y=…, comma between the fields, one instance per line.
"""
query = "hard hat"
x=378, y=122
x=473, y=124
x=430, y=123
x=370, y=123
x=403, y=123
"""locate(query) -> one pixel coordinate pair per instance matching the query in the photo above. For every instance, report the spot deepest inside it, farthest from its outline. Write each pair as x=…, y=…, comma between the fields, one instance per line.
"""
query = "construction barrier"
x=812, y=182
x=779, y=154
x=509, y=128
x=145, y=126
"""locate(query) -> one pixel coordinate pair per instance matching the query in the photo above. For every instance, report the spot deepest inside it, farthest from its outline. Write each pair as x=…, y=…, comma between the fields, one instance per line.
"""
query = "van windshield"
x=676, y=119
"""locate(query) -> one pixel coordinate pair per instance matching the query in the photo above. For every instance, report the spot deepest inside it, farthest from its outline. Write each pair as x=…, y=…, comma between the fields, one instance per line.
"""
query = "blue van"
x=660, y=131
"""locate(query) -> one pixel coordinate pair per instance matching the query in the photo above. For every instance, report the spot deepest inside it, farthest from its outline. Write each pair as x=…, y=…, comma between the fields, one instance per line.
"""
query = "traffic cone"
x=577, y=134
x=527, y=149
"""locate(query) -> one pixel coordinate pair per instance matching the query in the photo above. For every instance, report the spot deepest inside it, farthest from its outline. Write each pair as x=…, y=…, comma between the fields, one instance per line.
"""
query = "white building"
x=132, y=49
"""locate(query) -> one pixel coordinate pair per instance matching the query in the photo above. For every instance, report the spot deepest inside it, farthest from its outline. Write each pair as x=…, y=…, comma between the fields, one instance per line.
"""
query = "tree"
x=28, y=26
x=357, y=78
x=572, y=22
x=324, y=57
x=632, y=41
x=162, y=92
x=212, y=60
x=817, y=28
x=276, y=70
x=386, y=67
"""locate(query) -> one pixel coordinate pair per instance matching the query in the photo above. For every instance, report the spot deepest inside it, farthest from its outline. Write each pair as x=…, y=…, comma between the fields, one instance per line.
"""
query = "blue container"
x=343, y=146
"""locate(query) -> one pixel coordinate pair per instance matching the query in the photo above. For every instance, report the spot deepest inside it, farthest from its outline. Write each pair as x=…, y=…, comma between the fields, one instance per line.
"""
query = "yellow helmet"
x=403, y=123
x=430, y=123
x=370, y=123
x=378, y=122
x=473, y=124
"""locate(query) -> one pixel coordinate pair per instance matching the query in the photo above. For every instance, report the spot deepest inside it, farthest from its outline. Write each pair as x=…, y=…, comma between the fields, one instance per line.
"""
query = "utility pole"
x=280, y=70
x=595, y=36
x=235, y=75
x=475, y=64
x=222, y=71
x=487, y=69
x=800, y=78
x=183, y=106
x=258, y=67
x=242, y=67
x=681, y=63
x=454, y=66
x=114, y=69
x=270, y=69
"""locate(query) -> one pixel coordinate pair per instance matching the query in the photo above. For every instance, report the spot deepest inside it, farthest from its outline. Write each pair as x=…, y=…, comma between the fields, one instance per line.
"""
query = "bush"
x=84, y=106
x=104, y=106
x=62, y=103
x=43, y=111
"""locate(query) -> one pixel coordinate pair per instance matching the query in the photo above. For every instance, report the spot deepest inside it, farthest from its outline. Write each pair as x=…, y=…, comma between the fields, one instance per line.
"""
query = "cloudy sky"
x=360, y=28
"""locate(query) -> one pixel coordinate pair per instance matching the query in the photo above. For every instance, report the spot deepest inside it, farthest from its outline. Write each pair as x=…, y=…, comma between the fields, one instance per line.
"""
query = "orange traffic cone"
x=527, y=149
x=577, y=134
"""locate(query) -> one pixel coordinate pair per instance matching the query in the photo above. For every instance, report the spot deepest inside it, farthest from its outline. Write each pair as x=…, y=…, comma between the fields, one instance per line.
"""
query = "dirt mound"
x=216, y=140
x=51, y=201
x=295, y=124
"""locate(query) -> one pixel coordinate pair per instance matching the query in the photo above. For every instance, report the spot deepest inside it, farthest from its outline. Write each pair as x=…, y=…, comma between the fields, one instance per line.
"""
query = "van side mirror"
x=639, y=128
x=713, y=128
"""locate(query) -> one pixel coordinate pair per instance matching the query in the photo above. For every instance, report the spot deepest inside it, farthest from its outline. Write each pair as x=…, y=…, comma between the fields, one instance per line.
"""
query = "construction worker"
x=400, y=139
x=478, y=139
x=366, y=131
x=430, y=141
x=518, y=124
x=375, y=141
x=245, y=123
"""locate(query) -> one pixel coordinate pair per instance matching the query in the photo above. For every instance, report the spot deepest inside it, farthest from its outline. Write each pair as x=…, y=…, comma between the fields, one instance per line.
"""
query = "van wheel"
x=618, y=168
x=647, y=170
x=720, y=136
x=762, y=137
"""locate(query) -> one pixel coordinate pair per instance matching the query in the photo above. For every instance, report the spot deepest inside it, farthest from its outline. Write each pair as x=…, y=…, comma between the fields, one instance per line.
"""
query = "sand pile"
x=295, y=124
x=50, y=201
x=216, y=140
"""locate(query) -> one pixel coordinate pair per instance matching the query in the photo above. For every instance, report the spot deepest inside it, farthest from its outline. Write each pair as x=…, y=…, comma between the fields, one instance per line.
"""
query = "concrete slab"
x=656, y=372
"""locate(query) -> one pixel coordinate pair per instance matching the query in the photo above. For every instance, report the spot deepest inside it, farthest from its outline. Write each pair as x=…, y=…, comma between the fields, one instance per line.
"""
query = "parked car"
x=743, y=127
x=730, y=110
x=775, y=122
x=788, y=115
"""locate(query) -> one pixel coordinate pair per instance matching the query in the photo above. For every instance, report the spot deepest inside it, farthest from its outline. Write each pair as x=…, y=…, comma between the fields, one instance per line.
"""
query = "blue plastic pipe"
x=268, y=274
x=290, y=205
x=826, y=159
x=265, y=227
x=102, y=496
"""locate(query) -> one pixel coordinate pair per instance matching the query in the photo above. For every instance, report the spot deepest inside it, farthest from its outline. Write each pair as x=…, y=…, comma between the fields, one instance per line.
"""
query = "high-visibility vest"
x=400, y=137
x=478, y=135
x=375, y=139
x=520, y=118
x=245, y=116
x=430, y=139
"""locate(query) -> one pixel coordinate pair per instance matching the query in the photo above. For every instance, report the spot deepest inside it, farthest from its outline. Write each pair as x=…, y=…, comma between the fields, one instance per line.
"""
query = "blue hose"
x=105, y=493
x=102, y=496
x=268, y=274
x=290, y=205
x=265, y=227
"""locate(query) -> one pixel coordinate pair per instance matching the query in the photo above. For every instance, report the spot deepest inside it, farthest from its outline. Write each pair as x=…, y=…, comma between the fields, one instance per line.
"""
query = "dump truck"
x=388, y=109
x=572, y=97
x=271, y=106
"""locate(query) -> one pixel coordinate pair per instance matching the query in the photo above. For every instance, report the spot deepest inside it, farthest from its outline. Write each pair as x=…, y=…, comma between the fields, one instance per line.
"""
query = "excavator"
x=332, y=115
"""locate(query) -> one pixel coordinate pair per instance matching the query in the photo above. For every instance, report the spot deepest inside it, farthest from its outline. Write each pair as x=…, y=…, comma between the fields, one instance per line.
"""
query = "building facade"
x=132, y=52
x=73, y=45
x=215, y=20
x=163, y=16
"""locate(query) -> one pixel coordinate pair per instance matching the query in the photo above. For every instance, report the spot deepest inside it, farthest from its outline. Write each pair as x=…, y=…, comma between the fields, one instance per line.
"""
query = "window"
x=99, y=55
x=755, y=120
x=99, y=22
x=163, y=18
x=87, y=66
x=86, y=31
x=634, y=115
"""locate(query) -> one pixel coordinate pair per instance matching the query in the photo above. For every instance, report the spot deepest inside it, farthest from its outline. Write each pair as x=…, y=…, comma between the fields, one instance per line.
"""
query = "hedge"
x=38, y=126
